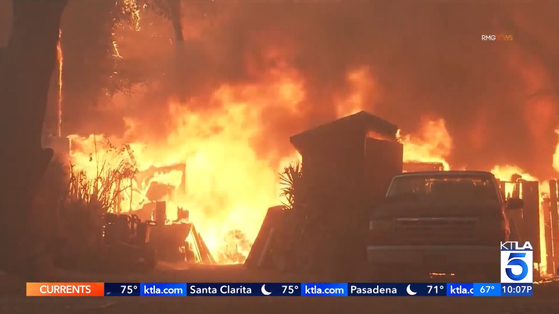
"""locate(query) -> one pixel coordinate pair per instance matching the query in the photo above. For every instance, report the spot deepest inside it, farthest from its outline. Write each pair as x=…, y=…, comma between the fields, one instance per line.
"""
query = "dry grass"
x=89, y=197
x=105, y=188
x=112, y=178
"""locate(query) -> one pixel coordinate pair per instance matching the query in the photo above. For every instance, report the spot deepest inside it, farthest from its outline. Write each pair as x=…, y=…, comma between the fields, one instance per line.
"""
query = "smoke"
x=498, y=99
x=5, y=21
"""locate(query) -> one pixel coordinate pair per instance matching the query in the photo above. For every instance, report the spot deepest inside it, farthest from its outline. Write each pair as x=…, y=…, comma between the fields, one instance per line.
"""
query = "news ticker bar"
x=277, y=289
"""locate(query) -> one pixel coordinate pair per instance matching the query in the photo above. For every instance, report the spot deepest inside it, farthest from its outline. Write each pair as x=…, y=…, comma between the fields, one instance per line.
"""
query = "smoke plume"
x=499, y=99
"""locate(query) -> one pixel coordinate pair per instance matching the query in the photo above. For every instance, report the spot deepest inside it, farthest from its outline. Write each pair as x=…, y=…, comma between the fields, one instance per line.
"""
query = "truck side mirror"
x=514, y=204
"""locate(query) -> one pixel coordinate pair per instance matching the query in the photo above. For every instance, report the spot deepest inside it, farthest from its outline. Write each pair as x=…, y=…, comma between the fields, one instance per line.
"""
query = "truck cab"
x=448, y=222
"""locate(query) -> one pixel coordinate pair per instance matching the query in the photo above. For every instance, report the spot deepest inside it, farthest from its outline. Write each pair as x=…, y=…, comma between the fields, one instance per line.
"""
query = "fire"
x=225, y=183
x=363, y=89
x=227, y=186
x=505, y=173
x=60, y=60
x=556, y=155
x=432, y=144
x=132, y=9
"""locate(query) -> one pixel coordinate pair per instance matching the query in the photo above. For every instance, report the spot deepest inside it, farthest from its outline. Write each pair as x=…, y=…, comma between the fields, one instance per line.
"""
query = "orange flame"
x=432, y=144
x=363, y=89
x=228, y=186
x=60, y=59
x=556, y=155
x=505, y=172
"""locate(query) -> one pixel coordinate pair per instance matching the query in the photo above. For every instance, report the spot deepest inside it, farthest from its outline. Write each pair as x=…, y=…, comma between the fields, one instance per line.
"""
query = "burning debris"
x=218, y=178
x=178, y=240
x=101, y=225
x=236, y=243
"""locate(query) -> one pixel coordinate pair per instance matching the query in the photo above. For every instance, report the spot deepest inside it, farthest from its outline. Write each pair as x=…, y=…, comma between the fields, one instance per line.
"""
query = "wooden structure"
x=530, y=228
x=552, y=223
x=527, y=225
x=126, y=240
x=178, y=241
x=261, y=254
x=347, y=167
x=349, y=162
x=143, y=177
x=548, y=234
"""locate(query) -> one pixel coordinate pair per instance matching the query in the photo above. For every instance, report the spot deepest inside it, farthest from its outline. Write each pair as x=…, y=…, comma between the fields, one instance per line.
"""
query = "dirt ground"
x=13, y=300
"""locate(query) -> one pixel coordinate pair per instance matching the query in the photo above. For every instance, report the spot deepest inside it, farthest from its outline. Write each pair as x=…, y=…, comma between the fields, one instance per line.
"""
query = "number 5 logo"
x=516, y=259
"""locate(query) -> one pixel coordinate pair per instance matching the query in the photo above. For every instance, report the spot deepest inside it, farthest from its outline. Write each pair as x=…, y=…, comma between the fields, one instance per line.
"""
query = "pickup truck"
x=448, y=222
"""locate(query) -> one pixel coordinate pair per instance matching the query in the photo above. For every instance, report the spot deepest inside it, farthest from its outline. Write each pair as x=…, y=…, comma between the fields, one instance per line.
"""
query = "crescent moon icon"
x=264, y=291
x=410, y=291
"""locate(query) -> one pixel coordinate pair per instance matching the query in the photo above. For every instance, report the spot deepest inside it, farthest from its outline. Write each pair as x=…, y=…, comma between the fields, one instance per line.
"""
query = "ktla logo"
x=517, y=262
x=497, y=38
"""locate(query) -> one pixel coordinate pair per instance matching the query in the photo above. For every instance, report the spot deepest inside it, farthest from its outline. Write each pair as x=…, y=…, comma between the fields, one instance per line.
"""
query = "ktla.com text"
x=36, y=289
x=459, y=289
x=497, y=38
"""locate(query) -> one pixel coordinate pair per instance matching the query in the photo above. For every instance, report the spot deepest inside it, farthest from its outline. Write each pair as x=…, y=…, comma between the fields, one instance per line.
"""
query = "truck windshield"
x=452, y=187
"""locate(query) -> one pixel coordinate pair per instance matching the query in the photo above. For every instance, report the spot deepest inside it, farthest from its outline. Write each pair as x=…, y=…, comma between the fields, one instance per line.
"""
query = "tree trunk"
x=27, y=65
x=175, y=10
x=175, y=16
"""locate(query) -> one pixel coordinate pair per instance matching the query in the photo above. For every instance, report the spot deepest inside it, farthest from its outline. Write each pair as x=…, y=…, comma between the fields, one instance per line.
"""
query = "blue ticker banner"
x=244, y=289
x=324, y=289
x=487, y=289
x=460, y=289
x=163, y=289
x=516, y=289
x=397, y=289
x=122, y=289
x=319, y=289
